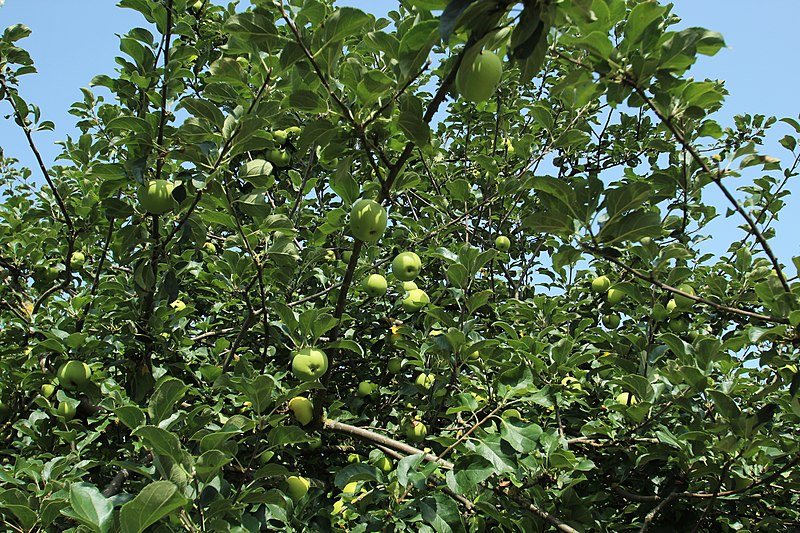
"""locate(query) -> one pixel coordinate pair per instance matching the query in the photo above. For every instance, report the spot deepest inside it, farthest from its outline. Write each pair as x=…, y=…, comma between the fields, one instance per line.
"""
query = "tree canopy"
x=300, y=268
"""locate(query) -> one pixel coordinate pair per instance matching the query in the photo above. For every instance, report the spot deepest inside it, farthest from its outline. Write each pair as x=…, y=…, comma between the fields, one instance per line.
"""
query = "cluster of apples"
x=278, y=156
x=72, y=375
x=602, y=284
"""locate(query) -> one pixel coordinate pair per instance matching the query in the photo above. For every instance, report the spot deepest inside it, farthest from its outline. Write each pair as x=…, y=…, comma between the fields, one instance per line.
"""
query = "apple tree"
x=301, y=268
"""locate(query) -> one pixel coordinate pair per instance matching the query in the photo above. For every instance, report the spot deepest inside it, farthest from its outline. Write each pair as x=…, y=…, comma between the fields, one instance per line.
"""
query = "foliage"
x=594, y=156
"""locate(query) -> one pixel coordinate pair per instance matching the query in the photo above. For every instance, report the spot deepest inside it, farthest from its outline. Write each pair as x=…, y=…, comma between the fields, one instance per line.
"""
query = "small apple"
x=209, y=247
x=570, y=382
x=315, y=443
x=368, y=220
x=178, y=305
x=365, y=388
x=48, y=389
x=502, y=243
x=425, y=381
x=611, y=321
x=509, y=414
x=659, y=313
x=682, y=301
x=298, y=487
x=278, y=157
x=265, y=457
x=601, y=284
x=626, y=398
x=409, y=286
x=406, y=266
x=280, y=136
x=671, y=306
x=347, y=255
x=395, y=365
x=302, y=408
x=155, y=197
x=73, y=374
x=384, y=464
x=309, y=364
x=678, y=325
x=477, y=80
x=474, y=355
x=614, y=296
x=78, y=259
x=66, y=411
x=375, y=285
x=416, y=431
x=415, y=300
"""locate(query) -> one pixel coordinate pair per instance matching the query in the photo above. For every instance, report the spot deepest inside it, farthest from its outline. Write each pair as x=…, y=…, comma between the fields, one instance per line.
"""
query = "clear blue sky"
x=73, y=41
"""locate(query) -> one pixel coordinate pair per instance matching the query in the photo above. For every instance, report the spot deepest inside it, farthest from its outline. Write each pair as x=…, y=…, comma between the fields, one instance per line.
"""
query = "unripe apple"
x=280, y=136
x=298, y=487
x=611, y=321
x=395, y=365
x=678, y=325
x=209, y=247
x=682, y=301
x=474, y=355
x=265, y=457
x=278, y=157
x=66, y=411
x=660, y=313
x=73, y=374
x=384, y=464
x=302, y=408
x=375, y=285
x=406, y=266
x=570, y=382
x=368, y=220
x=48, y=389
x=626, y=398
x=293, y=131
x=601, y=284
x=155, y=197
x=425, y=381
x=477, y=80
x=671, y=306
x=502, y=243
x=347, y=255
x=365, y=388
x=510, y=414
x=416, y=431
x=409, y=286
x=614, y=296
x=415, y=300
x=78, y=259
x=309, y=364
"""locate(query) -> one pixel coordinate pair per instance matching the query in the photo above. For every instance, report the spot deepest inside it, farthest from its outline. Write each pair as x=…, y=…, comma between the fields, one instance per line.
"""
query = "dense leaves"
x=517, y=399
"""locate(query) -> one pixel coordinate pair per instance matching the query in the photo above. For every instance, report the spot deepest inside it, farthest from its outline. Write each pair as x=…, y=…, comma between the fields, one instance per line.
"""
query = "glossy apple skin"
x=502, y=243
x=66, y=411
x=601, y=284
x=478, y=80
x=375, y=285
x=302, y=408
x=406, y=266
x=416, y=431
x=155, y=197
x=309, y=364
x=615, y=296
x=415, y=300
x=368, y=220
x=298, y=487
x=73, y=375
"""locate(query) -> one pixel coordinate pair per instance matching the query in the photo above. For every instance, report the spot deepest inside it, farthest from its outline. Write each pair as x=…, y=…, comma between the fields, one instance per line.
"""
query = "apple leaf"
x=154, y=502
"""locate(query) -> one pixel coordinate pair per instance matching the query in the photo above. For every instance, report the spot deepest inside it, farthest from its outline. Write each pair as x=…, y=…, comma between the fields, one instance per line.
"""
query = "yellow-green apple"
x=415, y=300
x=384, y=463
x=375, y=285
x=684, y=302
x=209, y=247
x=502, y=243
x=78, y=259
x=365, y=388
x=155, y=196
x=48, y=389
x=474, y=355
x=416, y=431
x=367, y=220
x=477, y=80
x=425, y=380
x=671, y=306
x=611, y=321
x=626, y=398
x=406, y=266
x=73, y=374
x=601, y=284
x=614, y=296
x=309, y=364
x=302, y=408
x=570, y=382
x=409, y=286
x=278, y=157
x=395, y=365
x=298, y=487
x=66, y=411
x=280, y=136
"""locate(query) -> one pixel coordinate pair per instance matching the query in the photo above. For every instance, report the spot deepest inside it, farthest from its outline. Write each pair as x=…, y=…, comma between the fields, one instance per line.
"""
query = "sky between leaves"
x=72, y=42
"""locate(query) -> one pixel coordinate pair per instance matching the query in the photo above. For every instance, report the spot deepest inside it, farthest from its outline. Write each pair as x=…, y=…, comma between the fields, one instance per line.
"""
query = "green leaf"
x=524, y=439
x=154, y=502
x=168, y=393
x=343, y=182
x=89, y=507
x=469, y=470
x=725, y=406
x=441, y=512
x=449, y=17
x=411, y=122
x=345, y=22
x=640, y=17
x=416, y=44
x=160, y=441
x=631, y=227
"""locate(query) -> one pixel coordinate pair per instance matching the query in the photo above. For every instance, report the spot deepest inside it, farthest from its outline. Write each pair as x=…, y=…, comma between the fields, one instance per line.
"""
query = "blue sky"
x=71, y=44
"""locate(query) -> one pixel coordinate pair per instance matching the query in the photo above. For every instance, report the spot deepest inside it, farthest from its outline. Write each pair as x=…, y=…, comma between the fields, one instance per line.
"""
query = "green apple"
x=178, y=305
x=570, y=382
x=78, y=259
x=477, y=80
x=298, y=487
x=671, y=306
x=415, y=300
x=660, y=313
x=73, y=374
x=509, y=414
x=614, y=296
x=368, y=220
x=209, y=247
x=280, y=136
x=365, y=388
x=66, y=411
x=375, y=285
x=626, y=398
x=416, y=431
x=502, y=243
x=293, y=131
x=601, y=284
x=425, y=380
x=409, y=286
x=278, y=157
x=315, y=443
x=309, y=364
x=611, y=321
x=155, y=197
x=678, y=325
x=302, y=408
x=265, y=457
x=682, y=301
x=384, y=464
x=48, y=389
x=474, y=355
x=395, y=365
x=406, y=266
x=347, y=255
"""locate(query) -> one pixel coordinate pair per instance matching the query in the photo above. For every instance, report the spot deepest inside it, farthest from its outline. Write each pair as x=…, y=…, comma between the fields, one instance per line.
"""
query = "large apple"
x=614, y=296
x=415, y=300
x=368, y=220
x=601, y=284
x=683, y=302
x=406, y=266
x=502, y=243
x=298, y=487
x=155, y=197
x=416, y=431
x=73, y=375
x=477, y=80
x=302, y=408
x=375, y=285
x=309, y=364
